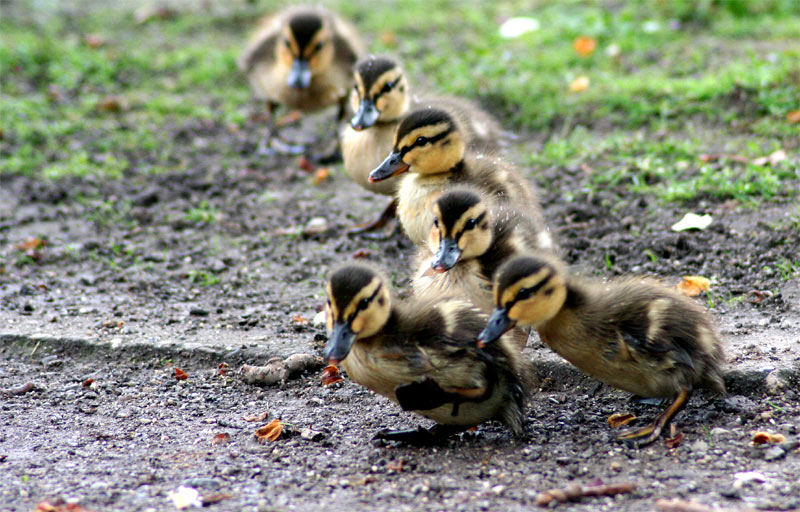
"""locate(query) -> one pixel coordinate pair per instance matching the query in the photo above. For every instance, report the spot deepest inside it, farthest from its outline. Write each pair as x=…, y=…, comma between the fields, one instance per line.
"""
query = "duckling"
x=471, y=236
x=380, y=97
x=422, y=355
x=430, y=144
x=630, y=333
x=302, y=58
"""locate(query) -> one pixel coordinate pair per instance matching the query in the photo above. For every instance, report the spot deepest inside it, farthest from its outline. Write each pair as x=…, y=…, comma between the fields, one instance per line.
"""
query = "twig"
x=20, y=390
x=575, y=491
x=35, y=347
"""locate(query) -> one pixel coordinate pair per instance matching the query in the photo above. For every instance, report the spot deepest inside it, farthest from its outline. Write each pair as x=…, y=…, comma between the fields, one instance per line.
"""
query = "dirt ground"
x=124, y=261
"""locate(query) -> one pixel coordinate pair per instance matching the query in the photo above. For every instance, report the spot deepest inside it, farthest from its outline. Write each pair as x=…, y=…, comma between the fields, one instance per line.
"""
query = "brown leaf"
x=320, y=175
x=674, y=441
x=793, y=116
x=762, y=437
x=759, y=296
x=580, y=84
x=306, y=164
x=94, y=40
x=270, y=432
x=361, y=254
x=180, y=374
x=112, y=103
x=331, y=375
x=396, y=465
x=619, y=419
x=693, y=286
x=256, y=417
x=31, y=244
x=222, y=438
x=87, y=383
x=214, y=498
x=584, y=46
x=45, y=506
x=222, y=369
x=299, y=319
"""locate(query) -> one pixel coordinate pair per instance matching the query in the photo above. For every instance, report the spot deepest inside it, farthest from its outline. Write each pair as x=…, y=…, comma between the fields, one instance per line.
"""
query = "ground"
x=158, y=238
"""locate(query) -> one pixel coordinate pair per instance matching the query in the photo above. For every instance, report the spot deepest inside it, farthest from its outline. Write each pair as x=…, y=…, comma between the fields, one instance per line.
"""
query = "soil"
x=123, y=262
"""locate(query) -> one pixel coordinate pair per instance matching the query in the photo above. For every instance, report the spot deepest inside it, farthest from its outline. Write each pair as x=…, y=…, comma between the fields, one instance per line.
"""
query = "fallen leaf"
x=31, y=244
x=112, y=103
x=87, y=383
x=305, y=164
x=762, y=437
x=584, y=45
x=185, y=497
x=580, y=84
x=45, y=506
x=320, y=175
x=298, y=319
x=222, y=369
x=759, y=296
x=214, y=498
x=388, y=38
x=515, y=27
x=256, y=417
x=180, y=374
x=619, y=419
x=270, y=432
x=396, y=465
x=692, y=286
x=692, y=221
x=674, y=441
x=331, y=375
x=222, y=438
x=793, y=116
x=94, y=40
x=361, y=254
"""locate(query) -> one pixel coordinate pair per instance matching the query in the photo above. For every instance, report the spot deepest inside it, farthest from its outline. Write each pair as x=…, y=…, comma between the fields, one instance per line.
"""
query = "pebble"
x=739, y=404
x=719, y=431
x=218, y=266
x=196, y=311
x=776, y=382
x=205, y=483
x=700, y=447
x=774, y=453
x=88, y=279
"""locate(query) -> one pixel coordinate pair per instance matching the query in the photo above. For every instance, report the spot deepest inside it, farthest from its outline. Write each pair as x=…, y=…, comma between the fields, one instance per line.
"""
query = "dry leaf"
x=762, y=437
x=180, y=374
x=793, y=116
x=305, y=164
x=94, y=40
x=30, y=244
x=87, y=383
x=396, y=465
x=674, y=441
x=45, y=506
x=222, y=438
x=692, y=221
x=214, y=498
x=331, y=375
x=759, y=296
x=270, y=432
x=361, y=254
x=619, y=419
x=299, y=319
x=692, y=286
x=112, y=103
x=584, y=45
x=222, y=369
x=256, y=417
x=320, y=175
x=580, y=84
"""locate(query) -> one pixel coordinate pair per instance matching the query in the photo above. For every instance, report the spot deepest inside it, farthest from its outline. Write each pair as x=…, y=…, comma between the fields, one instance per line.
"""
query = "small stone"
x=218, y=266
x=732, y=493
x=774, y=453
x=739, y=404
x=719, y=431
x=776, y=382
x=311, y=435
x=88, y=279
x=205, y=483
x=51, y=361
x=196, y=311
x=700, y=447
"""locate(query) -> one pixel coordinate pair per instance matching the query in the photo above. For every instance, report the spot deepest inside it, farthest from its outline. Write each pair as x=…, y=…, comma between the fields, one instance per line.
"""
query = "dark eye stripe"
x=364, y=305
x=527, y=293
x=428, y=140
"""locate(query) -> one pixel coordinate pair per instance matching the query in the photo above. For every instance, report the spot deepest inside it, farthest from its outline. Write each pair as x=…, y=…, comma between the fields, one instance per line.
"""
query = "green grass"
x=689, y=77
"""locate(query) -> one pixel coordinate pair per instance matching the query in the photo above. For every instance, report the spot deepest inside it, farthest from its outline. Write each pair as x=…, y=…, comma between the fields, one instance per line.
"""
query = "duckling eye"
x=363, y=303
x=421, y=141
x=318, y=46
x=471, y=223
x=525, y=293
x=286, y=43
x=436, y=222
x=388, y=86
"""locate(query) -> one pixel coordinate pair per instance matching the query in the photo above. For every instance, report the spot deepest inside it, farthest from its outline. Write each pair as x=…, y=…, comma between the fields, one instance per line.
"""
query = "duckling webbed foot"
x=385, y=217
x=649, y=434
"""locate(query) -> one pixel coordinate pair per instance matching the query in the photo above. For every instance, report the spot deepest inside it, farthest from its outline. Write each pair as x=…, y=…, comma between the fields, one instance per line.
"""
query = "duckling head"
x=461, y=228
x=529, y=290
x=358, y=306
x=427, y=141
x=380, y=92
x=306, y=47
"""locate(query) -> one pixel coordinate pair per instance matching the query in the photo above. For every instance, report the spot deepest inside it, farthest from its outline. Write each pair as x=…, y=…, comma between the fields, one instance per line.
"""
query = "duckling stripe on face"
x=528, y=287
x=428, y=135
x=303, y=27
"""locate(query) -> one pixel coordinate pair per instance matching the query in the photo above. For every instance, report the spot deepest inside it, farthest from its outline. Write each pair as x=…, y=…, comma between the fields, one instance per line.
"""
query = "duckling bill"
x=633, y=334
x=422, y=355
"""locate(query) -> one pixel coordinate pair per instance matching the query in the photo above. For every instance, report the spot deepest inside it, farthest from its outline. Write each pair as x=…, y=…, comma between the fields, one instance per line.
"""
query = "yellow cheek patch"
x=358, y=324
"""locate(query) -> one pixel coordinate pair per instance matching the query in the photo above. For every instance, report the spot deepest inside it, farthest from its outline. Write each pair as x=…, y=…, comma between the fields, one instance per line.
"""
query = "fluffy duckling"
x=380, y=97
x=471, y=236
x=422, y=355
x=430, y=144
x=302, y=58
x=633, y=334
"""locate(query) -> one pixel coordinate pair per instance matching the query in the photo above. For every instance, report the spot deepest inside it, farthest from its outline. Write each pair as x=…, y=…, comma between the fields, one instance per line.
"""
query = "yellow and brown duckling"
x=630, y=333
x=430, y=144
x=422, y=355
x=380, y=98
x=302, y=58
x=471, y=236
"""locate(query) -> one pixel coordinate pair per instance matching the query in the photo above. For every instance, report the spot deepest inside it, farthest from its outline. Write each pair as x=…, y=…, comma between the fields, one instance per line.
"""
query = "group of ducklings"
x=487, y=266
